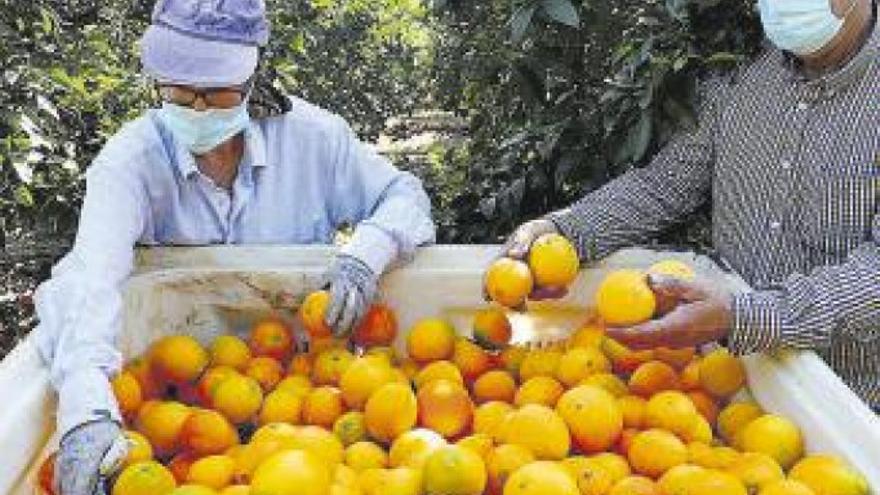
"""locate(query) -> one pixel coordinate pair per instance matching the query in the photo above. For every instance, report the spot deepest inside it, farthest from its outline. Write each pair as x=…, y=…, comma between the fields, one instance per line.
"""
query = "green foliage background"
x=558, y=95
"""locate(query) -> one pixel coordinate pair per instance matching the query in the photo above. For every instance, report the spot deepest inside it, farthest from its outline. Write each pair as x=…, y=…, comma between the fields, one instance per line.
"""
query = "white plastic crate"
x=204, y=291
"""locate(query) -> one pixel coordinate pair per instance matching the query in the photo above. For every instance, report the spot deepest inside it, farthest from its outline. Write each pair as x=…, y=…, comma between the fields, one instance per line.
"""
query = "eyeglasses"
x=211, y=97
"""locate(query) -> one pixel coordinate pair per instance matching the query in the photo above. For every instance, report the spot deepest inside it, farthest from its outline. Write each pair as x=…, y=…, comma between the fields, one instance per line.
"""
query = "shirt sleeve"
x=807, y=311
x=80, y=307
x=389, y=207
x=645, y=201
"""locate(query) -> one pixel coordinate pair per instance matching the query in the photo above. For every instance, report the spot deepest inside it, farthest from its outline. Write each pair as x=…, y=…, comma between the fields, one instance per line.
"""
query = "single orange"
x=378, y=327
x=470, y=358
x=144, y=478
x=312, y=314
x=445, y=407
x=653, y=452
x=553, y=261
x=267, y=371
x=178, y=358
x=489, y=418
x=495, y=385
x=271, y=337
x=238, y=398
x=390, y=411
x=322, y=407
x=509, y=282
x=542, y=390
x=330, y=365
x=361, y=378
x=128, y=395
x=501, y=462
x=652, y=377
x=207, y=432
x=431, y=340
x=161, y=423
x=491, y=328
x=438, y=370
x=593, y=417
x=281, y=406
x=229, y=350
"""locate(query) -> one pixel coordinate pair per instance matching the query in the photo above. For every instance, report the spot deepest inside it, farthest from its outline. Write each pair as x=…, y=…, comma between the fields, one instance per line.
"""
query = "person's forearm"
x=807, y=311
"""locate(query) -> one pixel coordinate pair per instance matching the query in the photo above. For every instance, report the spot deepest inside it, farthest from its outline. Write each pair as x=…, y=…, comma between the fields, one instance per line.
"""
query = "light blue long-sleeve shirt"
x=302, y=175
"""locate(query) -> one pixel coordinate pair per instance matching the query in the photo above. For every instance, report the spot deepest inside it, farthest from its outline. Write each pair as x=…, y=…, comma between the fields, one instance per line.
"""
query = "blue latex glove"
x=89, y=455
x=352, y=290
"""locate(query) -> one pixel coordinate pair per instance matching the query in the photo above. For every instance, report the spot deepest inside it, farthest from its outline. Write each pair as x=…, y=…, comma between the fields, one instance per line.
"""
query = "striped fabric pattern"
x=792, y=168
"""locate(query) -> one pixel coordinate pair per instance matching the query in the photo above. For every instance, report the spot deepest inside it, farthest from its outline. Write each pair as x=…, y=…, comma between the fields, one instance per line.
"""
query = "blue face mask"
x=202, y=131
x=801, y=27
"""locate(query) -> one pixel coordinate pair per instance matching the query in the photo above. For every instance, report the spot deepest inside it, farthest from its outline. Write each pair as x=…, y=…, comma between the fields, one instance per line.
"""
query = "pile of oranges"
x=454, y=416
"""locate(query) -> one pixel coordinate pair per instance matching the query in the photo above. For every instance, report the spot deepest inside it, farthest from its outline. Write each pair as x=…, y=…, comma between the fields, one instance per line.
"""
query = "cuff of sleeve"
x=568, y=224
x=372, y=246
x=757, y=324
x=83, y=397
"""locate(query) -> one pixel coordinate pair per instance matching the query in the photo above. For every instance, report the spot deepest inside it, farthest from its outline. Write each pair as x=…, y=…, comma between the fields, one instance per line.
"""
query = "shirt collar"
x=837, y=80
x=254, y=151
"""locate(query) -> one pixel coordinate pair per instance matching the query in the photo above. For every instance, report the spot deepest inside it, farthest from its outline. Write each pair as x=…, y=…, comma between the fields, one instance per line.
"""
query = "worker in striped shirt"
x=788, y=153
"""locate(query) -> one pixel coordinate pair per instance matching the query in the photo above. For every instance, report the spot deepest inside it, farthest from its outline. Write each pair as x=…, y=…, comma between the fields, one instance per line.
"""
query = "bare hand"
x=702, y=315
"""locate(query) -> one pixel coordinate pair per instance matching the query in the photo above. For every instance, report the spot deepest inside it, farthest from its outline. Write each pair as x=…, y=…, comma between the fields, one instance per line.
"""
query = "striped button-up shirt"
x=792, y=167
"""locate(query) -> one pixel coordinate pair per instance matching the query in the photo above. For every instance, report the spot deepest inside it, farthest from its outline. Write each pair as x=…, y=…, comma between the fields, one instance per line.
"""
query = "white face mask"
x=801, y=27
x=202, y=131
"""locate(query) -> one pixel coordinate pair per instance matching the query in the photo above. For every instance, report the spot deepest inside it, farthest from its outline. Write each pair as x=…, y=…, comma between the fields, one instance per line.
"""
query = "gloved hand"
x=352, y=289
x=520, y=242
x=89, y=454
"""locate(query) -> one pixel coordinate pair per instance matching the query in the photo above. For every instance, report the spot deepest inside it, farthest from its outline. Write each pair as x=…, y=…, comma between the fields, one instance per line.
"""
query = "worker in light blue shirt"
x=201, y=170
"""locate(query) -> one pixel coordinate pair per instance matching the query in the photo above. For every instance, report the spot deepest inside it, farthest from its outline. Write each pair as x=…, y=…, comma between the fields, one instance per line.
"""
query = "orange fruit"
x=281, y=406
x=207, y=432
x=541, y=478
x=431, y=340
x=391, y=411
x=480, y=443
x=591, y=334
x=721, y=374
x=539, y=429
x=689, y=379
x=653, y=452
x=178, y=358
x=365, y=455
x=592, y=416
x=320, y=442
x=508, y=282
x=786, y=487
x=412, y=448
x=141, y=370
x=266, y=371
x=144, y=478
x=438, y=370
x=214, y=471
x=312, y=314
x=511, y=359
x=554, y=261
x=616, y=465
x=623, y=359
x=677, y=358
x=540, y=362
x=634, y=485
x=699, y=431
x=377, y=328
x=298, y=385
x=681, y=479
x=491, y=328
x=624, y=298
x=229, y=350
x=775, y=436
x=625, y=441
x=322, y=407
x=127, y=391
x=495, y=385
x=397, y=481
x=139, y=448
x=733, y=418
x=633, y=409
x=702, y=454
x=209, y=381
x=591, y=477
x=705, y=405
x=238, y=398
x=489, y=418
x=756, y=471
x=720, y=483
x=829, y=475
x=501, y=462
x=653, y=377
x=470, y=358
x=610, y=382
x=192, y=490
x=179, y=465
x=454, y=470
x=351, y=427
x=236, y=490
x=361, y=378
x=301, y=364
x=445, y=407
x=672, y=411
x=46, y=475
x=580, y=362
x=542, y=390
x=161, y=423
x=292, y=472
x=330, y=365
